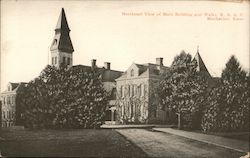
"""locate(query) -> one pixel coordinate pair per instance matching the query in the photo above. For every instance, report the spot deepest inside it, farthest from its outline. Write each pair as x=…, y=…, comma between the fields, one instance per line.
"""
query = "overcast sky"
x=107, y=31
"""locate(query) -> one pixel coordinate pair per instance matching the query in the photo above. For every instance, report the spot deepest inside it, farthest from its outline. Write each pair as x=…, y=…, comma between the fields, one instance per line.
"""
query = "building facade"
x=136, y=99
x=9, y=104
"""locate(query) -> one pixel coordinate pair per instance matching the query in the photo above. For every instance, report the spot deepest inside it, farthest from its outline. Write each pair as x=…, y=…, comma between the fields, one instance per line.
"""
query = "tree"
x=182, y=89
x=64, y=98
x=233, y=73
x=229, y=103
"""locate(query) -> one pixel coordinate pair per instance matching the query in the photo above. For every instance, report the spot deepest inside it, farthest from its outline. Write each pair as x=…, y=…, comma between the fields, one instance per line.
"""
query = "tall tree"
x=65, y=98
x=182, y=89
x=228, y=108
x=233, y=72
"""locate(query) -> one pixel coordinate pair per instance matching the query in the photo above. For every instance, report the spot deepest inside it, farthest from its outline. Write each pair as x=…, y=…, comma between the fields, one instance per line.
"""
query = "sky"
x=122, y=32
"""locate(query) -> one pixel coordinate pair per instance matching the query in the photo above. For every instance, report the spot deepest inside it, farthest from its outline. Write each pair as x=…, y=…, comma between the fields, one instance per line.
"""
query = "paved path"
x=160, y=144
x=241, y=146
x=118, y=126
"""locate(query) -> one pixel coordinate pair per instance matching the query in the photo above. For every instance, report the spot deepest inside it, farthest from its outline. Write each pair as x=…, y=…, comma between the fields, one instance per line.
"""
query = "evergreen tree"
x=228, y=108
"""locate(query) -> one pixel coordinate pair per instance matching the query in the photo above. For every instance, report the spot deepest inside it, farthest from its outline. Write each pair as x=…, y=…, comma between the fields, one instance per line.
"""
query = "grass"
x=66, y=143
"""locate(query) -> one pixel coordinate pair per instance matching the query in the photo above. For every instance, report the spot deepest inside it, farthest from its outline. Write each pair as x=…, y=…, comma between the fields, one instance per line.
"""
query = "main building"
x=133, y=91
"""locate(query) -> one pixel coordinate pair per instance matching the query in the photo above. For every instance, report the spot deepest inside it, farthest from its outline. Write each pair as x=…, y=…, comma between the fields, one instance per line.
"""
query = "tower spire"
x=62, y=23
x=61, y=47
x=200, y=64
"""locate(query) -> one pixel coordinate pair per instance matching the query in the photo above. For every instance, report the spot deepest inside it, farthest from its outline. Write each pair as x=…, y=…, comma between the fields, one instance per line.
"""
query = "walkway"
x=118, y=126
x=160, y=144
x=241, y=146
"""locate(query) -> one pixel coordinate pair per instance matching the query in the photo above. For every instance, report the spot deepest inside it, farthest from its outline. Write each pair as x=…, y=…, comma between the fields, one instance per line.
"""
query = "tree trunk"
x=179, y=120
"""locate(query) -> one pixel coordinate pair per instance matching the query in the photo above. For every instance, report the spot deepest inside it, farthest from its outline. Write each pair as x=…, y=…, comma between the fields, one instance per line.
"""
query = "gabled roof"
x=62, y=39
x=15, y=87
x=147, y=70
x=200, y=64
x=106, y=74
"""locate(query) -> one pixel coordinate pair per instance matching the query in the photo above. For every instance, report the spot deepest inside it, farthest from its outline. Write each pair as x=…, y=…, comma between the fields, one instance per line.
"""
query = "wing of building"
x=9, y=104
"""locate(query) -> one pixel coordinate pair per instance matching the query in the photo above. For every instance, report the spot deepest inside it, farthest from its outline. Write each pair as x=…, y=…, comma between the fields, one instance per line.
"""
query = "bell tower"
x=61, y=48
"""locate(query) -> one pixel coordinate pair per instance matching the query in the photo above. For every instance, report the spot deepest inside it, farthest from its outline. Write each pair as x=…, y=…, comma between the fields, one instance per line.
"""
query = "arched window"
x=132, y=73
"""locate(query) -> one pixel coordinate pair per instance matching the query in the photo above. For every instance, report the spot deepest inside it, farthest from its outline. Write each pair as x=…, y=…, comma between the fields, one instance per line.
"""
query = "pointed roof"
x=200, y=64
x=62, y=39
x=62, y=23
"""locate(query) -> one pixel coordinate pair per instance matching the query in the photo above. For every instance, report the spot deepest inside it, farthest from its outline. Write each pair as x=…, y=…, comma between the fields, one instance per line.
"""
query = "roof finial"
x=198, y=49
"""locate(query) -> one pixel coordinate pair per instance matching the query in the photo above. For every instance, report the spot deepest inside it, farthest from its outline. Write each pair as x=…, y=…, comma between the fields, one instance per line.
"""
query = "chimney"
x=107, y=65
x=159, y=61
x=93, y=63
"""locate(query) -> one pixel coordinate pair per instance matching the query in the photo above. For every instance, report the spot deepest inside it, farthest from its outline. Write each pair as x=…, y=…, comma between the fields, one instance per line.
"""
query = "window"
x=142, y=90
x=128, y=90
x=139, y=90
x=68, y=61
x=132, y=73
x=64, y=60
x=8, y=100
x=13, y=114
x=122, y=110
x=55, y=42
x=132, y=90
x=9, y=88
x=132, y=110
x=14, y=100
x=55, y=60
x=135, y=87
x=121, y=91
x=52, y=60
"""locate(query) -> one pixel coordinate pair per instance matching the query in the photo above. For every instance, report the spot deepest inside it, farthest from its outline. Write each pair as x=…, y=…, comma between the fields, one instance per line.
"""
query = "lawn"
x=69, y=143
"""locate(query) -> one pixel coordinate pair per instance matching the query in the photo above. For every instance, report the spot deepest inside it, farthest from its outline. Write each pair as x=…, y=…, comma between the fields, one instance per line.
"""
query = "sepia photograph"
x=82, y=78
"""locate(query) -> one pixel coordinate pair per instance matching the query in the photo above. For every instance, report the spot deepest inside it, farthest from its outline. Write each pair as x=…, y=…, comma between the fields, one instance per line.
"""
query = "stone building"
x=9, y=104
x=136, y=100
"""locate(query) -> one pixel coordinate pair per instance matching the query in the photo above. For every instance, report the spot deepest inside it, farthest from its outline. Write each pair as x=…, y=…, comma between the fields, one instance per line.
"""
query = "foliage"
x=64, y=98
x=229, y=103
x=182, y=90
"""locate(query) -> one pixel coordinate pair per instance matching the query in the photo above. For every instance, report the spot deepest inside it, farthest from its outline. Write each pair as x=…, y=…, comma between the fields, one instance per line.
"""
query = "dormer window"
x=132, y=73
x=55, y=42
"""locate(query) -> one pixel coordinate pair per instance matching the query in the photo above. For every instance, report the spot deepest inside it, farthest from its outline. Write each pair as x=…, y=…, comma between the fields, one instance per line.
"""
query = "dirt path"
x=158, y=144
